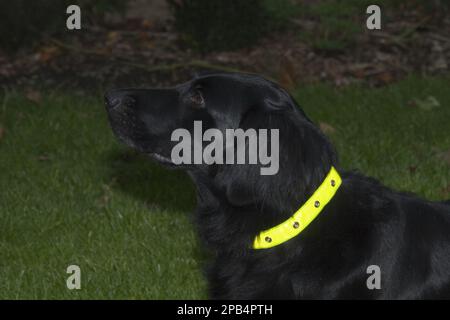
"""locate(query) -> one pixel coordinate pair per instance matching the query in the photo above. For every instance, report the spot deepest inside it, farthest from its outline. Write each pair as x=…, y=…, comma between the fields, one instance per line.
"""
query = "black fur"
x=364, y=224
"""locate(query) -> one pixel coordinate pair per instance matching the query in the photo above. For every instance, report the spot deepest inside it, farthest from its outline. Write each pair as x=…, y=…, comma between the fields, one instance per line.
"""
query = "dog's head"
x=146, y=119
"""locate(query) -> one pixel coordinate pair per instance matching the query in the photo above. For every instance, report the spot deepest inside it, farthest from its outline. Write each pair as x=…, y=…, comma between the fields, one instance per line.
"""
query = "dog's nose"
x=115, y=97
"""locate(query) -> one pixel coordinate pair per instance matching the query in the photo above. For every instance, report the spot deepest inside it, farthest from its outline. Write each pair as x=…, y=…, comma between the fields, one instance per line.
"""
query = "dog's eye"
x=197, y=97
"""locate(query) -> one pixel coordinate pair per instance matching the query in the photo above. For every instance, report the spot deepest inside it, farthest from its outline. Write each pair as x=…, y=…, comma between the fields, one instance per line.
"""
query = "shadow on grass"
x=158, y=187
x=142, y=178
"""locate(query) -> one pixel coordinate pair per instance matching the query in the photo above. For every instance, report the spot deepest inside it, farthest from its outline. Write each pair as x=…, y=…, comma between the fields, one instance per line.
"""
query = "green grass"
x=382, y=133
x=69, y=194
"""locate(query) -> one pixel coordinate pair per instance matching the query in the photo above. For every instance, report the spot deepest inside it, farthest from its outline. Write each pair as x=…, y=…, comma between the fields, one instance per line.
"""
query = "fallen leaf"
x=385, y=77
x=287, y=74
x=147, y=24
x=412, y=169
x=33, y=96
x=326, y=128
x=359, y=70
x=43, y=157
x=112, y=37
x=286, y=80
x=145, y=40
x=446, y=191
x=48, y=53
x=105, y=198
x=427, y=104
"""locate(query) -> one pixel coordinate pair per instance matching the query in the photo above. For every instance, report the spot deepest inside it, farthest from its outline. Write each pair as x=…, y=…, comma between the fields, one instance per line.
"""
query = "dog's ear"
x=303, y=158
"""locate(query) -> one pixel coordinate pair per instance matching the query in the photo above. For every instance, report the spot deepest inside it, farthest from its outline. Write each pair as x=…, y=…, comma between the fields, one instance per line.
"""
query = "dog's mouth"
x=162, y=159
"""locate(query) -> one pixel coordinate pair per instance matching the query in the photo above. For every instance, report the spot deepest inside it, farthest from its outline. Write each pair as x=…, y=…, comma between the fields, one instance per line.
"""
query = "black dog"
x=363, y=224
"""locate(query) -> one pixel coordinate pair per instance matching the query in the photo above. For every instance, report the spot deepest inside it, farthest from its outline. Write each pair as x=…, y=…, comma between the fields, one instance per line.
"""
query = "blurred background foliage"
x=209, y=25
x=159, y=42
x=206, y=25
x=24, y=22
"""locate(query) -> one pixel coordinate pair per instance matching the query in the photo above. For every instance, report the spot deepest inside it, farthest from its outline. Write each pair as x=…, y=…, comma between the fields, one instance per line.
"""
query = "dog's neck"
x=226, y=227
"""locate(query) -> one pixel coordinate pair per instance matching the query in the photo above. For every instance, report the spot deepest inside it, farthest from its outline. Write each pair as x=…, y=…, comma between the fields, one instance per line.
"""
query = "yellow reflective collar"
x=303, y=217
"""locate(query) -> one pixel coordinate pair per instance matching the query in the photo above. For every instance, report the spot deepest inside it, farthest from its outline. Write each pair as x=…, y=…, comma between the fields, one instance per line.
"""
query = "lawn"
x=70, y=194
